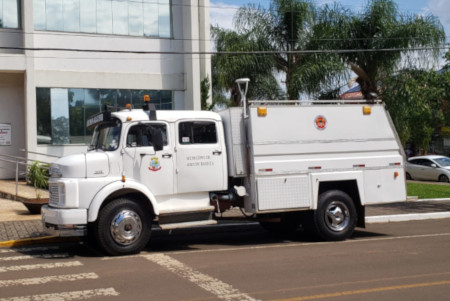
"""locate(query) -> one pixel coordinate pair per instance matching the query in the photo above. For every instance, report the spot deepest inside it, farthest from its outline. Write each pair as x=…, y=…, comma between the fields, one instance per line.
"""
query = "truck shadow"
x=251, y=235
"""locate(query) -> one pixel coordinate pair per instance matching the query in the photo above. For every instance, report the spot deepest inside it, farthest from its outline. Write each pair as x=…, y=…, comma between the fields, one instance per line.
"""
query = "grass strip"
x=428, y=191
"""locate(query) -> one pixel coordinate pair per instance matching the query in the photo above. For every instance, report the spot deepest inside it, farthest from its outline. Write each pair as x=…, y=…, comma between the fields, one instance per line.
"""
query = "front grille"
x=54, y=191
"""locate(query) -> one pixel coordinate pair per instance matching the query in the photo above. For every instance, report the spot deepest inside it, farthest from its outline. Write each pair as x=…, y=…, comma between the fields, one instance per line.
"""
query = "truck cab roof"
x=169, y=116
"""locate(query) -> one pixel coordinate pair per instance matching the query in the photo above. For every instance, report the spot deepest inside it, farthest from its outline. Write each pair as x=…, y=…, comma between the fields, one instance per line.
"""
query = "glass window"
x=136, y=19
x=107, y=97
x=104, y=16
x=10, y=14
x=151, y=26
x=164, y=19
x=39, y=14
x=77, y=119
x=44, y=120
x=62, y=113
x=88, y=17
x=197, y=132
x=72, y=15
x=54, y=15
x=121, y=17
x=141, y=134
x=60, y=116
x=106, y=136
x=445, y=161
x=123, y=97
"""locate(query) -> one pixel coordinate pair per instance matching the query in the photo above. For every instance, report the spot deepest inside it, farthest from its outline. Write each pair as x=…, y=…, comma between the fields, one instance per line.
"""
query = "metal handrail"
x=40, y=154
x=20, y=161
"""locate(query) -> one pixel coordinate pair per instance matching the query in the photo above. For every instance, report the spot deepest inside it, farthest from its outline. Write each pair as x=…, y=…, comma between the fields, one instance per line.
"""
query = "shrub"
x=38, y=175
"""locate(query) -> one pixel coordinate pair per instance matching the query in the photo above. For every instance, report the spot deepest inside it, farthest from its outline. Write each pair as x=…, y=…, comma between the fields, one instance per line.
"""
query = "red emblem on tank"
x=320, y=122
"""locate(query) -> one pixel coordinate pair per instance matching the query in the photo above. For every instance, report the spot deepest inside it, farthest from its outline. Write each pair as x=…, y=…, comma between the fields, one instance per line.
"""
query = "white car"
x=431, y=168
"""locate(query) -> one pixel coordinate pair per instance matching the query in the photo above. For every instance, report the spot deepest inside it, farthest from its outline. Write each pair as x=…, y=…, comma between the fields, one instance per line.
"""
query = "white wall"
x=12, y=112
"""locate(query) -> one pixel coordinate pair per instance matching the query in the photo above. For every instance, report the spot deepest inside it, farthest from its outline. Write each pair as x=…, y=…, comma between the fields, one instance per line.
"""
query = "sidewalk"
x=18, y=226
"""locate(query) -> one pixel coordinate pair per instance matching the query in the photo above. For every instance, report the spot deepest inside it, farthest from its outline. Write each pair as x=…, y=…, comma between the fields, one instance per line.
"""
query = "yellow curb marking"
x=366, y=291
x=27, y=241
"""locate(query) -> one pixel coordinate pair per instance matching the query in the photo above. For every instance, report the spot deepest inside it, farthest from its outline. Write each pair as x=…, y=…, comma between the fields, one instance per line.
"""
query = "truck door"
x=141, y=162
x=201, y=157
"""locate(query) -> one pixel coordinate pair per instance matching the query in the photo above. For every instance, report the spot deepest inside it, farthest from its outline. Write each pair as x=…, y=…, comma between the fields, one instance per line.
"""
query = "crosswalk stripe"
x=66, y=296
x=43, y=280
x=44, y=256
x=45, y=266
x=215, y=286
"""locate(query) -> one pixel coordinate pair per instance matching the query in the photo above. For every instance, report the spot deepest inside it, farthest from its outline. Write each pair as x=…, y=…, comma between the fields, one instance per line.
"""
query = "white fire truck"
x=283, y=163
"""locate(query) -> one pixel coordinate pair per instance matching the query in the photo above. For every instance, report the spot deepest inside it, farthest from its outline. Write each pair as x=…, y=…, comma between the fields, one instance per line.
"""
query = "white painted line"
x=406, y=217
x=52, y=279
x=75, y=295
x=214, y=286
x=44, y=266
x=25, y=257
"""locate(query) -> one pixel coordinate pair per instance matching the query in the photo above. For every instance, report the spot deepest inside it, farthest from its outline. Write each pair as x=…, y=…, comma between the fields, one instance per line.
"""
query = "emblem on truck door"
x=320, y=122
x=154, y=164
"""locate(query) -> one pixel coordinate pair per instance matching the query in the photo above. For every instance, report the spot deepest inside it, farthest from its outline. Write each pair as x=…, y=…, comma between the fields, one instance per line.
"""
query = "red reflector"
x=266, y=170
x=359, y=165
x=395, y=164
x=315, y=167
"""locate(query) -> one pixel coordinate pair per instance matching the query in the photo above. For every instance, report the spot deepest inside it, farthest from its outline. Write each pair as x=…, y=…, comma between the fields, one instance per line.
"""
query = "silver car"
x=430, y=168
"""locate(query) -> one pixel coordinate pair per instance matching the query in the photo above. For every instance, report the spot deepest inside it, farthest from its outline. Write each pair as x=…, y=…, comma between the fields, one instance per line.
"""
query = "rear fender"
x=317, y=178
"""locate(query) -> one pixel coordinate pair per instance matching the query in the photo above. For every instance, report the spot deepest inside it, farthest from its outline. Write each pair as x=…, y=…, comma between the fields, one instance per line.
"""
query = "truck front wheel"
x=123, y=227
x=335, y=217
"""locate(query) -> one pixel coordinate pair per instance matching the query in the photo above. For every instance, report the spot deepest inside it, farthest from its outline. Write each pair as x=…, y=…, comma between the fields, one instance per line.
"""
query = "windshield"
x=106, y=136
x=443, y=161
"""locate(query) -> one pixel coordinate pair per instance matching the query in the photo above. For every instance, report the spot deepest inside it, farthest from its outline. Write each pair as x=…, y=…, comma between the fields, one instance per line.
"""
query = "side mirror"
x=157, y=139
x=433, y=165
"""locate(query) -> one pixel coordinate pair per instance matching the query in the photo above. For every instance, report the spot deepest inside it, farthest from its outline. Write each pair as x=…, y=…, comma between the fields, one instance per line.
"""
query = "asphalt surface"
x=18, y=226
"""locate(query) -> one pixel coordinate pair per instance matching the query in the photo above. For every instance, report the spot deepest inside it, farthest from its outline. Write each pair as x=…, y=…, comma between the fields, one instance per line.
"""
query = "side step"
x=187, y=224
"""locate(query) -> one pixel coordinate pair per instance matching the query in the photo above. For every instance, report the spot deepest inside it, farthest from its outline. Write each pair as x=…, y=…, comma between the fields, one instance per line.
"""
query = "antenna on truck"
x=243, y=87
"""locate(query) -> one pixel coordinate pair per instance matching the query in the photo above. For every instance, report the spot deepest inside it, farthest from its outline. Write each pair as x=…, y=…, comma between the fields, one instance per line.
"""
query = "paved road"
x=393, y=261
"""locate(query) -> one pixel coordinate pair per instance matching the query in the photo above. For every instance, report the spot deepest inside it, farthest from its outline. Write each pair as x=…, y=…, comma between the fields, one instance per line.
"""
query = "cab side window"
x=197, y=132
x=141, y=134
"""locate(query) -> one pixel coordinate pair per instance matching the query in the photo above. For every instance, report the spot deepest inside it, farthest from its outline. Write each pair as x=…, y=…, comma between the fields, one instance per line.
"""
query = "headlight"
x=55, y=171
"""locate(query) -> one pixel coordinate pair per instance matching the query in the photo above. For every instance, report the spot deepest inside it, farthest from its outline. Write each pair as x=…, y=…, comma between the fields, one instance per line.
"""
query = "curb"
x=406, y=217
x=37, y=240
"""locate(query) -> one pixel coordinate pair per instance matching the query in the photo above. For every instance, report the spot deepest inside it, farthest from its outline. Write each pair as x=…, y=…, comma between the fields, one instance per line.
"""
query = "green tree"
x=284, y=33
x=369, y=40
x=417, y=102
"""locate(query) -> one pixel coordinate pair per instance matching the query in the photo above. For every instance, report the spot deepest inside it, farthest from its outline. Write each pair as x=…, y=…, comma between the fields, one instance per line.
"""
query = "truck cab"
x=165, y=167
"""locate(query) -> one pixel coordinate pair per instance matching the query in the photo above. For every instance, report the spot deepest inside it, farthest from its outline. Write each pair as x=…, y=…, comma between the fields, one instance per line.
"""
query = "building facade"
x=63, y=60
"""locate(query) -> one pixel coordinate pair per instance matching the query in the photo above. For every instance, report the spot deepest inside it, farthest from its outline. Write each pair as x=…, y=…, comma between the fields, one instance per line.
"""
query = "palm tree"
x=377, y=41
x=282, y=33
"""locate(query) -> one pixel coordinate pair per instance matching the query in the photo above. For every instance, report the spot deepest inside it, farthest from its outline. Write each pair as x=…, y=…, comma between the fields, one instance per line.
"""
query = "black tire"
x=443, y=178
x=123, y=227
x=408, y=176
x=335, y=218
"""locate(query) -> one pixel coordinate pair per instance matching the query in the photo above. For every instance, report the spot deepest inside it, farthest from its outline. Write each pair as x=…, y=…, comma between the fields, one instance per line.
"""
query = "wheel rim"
x=126, y=227
x=337, y=216
x=443, y=178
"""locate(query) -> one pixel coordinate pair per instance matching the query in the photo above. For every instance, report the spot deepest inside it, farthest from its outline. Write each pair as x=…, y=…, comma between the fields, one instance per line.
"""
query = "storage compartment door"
x=288, y=192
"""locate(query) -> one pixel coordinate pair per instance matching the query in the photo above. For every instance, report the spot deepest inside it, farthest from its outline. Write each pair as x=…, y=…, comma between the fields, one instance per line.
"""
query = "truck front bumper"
x=65, y=222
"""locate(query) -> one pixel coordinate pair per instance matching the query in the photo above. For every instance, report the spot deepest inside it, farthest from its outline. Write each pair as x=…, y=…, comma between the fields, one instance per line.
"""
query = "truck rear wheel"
x=123, y=227
x=335, y=217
